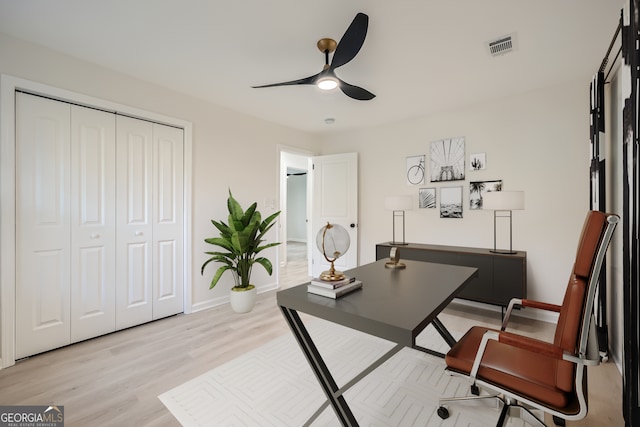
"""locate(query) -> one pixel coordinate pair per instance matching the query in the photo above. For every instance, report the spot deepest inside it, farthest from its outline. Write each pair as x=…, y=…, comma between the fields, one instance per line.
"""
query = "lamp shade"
x=398, y=203
x=503, y=200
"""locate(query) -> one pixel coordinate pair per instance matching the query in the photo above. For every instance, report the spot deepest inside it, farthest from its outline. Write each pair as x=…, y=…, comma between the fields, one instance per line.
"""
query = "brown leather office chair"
x=526, y=373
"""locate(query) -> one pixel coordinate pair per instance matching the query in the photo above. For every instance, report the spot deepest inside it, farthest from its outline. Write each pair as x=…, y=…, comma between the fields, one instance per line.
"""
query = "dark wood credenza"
x=501, y=276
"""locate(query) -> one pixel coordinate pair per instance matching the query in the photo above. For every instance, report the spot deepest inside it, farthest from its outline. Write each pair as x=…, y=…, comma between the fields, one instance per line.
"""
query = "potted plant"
x=241, y=240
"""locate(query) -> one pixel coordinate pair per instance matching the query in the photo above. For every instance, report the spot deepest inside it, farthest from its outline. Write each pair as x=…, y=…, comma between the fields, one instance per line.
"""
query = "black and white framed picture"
x=477, y=161
x=415, y=170
x=477, y=189
x=427, y=198
x=446, y=160
x=451, y=202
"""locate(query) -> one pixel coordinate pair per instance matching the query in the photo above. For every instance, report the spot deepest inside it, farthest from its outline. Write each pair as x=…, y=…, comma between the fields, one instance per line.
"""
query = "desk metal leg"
x=329, y=386
x=444, y=333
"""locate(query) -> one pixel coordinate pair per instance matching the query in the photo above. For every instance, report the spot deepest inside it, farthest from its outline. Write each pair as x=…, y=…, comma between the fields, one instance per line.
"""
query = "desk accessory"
x=394, y=259
x=334, y=293
x=332, y=241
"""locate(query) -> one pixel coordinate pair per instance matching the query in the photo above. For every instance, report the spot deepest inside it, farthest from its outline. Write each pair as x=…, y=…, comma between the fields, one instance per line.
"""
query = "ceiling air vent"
x=502, y=45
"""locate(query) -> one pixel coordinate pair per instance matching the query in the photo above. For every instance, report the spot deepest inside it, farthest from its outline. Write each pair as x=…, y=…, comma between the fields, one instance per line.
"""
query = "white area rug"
x=274, y=385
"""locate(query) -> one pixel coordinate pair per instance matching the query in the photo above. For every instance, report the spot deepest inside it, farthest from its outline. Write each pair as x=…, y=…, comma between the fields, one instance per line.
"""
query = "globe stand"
x=331, y=275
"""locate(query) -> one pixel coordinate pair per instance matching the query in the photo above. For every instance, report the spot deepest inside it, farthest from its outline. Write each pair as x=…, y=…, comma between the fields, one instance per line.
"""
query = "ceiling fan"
x=343, y=52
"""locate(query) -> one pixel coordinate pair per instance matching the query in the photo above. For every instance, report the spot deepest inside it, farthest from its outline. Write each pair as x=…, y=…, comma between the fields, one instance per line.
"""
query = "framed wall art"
x=478, y=188
x=427, y=198
x=415, y=170
x=477, y=161
x=451, y=202
x=446, y=160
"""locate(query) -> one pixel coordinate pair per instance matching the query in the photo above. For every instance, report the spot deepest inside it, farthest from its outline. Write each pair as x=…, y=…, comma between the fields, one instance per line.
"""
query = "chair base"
x=509, y=408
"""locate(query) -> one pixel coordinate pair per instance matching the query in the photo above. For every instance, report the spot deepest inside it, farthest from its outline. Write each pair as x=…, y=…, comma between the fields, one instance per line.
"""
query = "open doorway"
x=294, y=225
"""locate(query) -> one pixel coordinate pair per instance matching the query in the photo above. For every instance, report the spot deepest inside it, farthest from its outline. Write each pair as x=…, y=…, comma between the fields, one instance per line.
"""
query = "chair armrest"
x=541, y=305
x=527, y=303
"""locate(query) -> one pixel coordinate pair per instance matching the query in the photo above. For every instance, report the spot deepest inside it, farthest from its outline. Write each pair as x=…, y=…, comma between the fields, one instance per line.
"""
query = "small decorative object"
x=504, y=202
x=394, y=259
x=334, y=293
x=427, y=198
x=332, y=241
x=397, y=204
x=242, y=241
x=415, y=170
x=446, y=160
x=477, y=161
x=477, y=189
x=451, y=202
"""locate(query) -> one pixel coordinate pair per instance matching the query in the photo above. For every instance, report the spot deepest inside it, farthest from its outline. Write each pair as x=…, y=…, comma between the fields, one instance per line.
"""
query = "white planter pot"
x=243, y=301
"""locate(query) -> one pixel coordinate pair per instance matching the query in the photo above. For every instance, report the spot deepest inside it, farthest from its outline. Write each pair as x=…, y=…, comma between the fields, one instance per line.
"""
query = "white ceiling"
x=419, y=57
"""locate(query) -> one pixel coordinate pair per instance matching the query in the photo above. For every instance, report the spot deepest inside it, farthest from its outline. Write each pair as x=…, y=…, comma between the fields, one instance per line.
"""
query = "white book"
x=334, y=293
x=332, y=284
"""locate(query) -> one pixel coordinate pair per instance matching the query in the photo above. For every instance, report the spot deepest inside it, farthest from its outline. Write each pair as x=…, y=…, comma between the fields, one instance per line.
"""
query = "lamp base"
x=503, y=252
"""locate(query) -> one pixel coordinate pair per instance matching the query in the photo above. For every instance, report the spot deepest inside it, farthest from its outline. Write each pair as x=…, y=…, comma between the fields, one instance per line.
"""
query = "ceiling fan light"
x=327, y=83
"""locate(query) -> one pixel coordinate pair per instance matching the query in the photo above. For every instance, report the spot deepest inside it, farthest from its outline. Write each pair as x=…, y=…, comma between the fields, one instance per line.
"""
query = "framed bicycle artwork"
x=415, y=170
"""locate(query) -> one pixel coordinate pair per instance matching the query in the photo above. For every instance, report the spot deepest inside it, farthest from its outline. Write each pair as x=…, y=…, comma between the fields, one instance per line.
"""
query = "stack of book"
x=333, y=289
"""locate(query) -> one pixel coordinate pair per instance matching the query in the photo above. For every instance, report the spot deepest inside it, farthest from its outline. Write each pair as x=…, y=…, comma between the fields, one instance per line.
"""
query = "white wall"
x=537, y=142
x=224, y=143
x=297, y=208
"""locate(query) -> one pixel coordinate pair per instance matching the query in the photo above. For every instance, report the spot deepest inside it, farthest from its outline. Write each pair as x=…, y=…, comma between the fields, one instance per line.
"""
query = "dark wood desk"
x=393, y=304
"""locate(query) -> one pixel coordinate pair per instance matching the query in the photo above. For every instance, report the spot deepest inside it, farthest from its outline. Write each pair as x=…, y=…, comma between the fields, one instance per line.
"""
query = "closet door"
x=42, y=224
x=134, y=222
x=167, y=221
x=93, y=239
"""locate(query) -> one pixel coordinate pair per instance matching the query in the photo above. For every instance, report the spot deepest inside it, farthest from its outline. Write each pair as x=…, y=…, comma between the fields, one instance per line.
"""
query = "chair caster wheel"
x=443, y=412
x=475, y=390
x=559, y=421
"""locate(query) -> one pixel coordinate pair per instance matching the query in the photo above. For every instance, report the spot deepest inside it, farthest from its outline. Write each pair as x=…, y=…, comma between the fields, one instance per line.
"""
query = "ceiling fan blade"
x=351, y=42
x=356, y=92
x=306, y=81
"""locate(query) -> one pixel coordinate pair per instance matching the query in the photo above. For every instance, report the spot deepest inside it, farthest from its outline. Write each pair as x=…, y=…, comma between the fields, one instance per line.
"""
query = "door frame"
x=282, y=191
x=8, y=86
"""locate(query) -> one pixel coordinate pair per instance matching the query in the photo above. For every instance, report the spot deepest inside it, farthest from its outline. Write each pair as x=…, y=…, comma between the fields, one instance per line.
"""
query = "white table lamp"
x=398, y=204
x=505, y=202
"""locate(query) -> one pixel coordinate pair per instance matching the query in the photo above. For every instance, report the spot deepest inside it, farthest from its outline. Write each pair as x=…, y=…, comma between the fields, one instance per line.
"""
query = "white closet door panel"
x=93, y=219
x=134, y=176
x=168, y=221
x=42, y=224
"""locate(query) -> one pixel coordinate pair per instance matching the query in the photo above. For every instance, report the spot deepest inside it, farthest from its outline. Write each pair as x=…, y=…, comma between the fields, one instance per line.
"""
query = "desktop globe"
x=333, y=242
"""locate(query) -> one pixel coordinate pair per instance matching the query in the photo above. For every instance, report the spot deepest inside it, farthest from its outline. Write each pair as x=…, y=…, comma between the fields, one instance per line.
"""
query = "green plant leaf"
x=218, y=275
x=266, y=264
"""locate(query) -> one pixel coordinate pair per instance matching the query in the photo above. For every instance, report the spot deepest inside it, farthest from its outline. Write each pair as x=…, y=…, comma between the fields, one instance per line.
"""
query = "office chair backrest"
x=570, y=320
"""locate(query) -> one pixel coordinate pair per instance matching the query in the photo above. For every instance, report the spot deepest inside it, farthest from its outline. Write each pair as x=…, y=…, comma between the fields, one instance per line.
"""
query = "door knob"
x=352, y=225
x=139, y=233
x=95, y=236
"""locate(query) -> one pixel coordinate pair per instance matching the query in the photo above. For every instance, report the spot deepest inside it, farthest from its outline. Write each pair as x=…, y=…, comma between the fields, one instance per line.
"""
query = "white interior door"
x=42, y=224
x=134, y=274
x=167, y=221
x=93, y=220
x=335, y=200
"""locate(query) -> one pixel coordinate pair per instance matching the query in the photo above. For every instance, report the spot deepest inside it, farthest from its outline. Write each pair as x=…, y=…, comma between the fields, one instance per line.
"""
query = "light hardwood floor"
x=114, y=380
